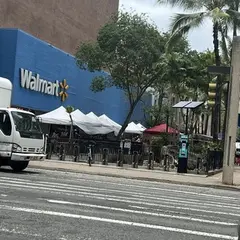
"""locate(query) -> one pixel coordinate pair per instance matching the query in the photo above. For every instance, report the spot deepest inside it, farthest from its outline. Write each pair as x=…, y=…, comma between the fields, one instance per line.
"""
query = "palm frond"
x=192, y=20
x=219, y=15
x=233, y=14
x=224, y=28
x=229, y=41
x=224, y=47
x=185, y=4
x=178, y=34
x=233, y=4
x=234, y=20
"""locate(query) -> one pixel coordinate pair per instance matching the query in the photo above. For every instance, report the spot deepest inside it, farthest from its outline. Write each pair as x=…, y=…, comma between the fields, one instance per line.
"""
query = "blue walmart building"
x=36, y=69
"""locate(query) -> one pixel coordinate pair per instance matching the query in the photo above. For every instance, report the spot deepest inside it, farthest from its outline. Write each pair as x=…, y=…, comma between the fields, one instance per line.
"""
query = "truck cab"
x=21, y=138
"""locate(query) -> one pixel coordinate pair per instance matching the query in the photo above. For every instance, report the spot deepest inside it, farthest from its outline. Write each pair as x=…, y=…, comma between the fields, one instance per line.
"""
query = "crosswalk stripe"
x=170, y=190
x=118, y=199
x=141, y=212
x=121, y=222
x=177, y=200
x=14, y=231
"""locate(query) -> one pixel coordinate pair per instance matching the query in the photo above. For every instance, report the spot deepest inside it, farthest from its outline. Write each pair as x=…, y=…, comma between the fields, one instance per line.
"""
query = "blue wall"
x=8, y=44
x=21, y=50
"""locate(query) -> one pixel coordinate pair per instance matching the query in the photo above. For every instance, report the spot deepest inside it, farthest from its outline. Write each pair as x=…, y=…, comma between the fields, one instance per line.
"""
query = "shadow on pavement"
x=24, y=172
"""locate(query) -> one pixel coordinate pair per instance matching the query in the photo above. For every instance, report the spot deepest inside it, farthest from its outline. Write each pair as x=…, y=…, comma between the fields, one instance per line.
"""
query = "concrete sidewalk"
x=140, y=174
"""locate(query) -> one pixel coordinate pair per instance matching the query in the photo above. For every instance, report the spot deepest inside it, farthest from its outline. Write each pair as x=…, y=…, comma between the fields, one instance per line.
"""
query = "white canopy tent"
x=141, y=127
x=58, y=116
x=97, y=119
x=90, y=123
x=104, y=128
x=133, y=128
x=87, y=124
x=115, y=126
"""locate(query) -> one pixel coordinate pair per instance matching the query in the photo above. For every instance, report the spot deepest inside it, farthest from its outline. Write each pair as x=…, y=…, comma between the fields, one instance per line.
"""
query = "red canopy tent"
x=162, y=128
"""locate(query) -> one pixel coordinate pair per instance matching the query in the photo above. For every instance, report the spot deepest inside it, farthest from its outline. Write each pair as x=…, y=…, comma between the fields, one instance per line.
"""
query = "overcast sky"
x=200, y=39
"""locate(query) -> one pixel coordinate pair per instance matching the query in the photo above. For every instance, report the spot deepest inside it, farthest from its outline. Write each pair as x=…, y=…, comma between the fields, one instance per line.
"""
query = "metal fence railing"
x=78, y=150
x=214, y=160
x=110, y=152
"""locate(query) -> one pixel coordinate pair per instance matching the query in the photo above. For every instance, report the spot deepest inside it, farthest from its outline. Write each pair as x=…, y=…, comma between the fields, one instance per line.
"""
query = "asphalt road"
x=50, y=205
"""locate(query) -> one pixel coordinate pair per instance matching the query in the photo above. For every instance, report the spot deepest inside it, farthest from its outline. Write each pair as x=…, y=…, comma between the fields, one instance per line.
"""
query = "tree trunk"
x=125, y=124
x=235, y=22
x=71, y=129
x=192, y=123
x=220, y=115
x=234, y=29
x=183, y=116
x=225, y=114
x=216, y=112
x=202, y=120
x=206, y=125
x=216, y=44
x=212, y=122
x=167, y=122
x=160, y=104
x=196, y=127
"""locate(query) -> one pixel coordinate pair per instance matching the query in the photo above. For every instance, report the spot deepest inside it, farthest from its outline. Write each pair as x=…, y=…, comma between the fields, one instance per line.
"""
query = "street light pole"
x=232, y=115
x=186, y=126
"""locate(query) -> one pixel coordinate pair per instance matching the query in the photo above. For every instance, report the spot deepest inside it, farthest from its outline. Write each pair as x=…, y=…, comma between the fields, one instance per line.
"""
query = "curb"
x=210, y=174
x=122, y=168
x=221, y=187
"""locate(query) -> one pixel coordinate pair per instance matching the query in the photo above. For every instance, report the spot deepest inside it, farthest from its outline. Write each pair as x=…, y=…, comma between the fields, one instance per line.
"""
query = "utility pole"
x=232, y=115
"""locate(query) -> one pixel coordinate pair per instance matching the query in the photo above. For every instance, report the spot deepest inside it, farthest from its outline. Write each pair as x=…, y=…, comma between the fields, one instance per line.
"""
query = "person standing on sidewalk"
x=54, y=140
x=164, y=153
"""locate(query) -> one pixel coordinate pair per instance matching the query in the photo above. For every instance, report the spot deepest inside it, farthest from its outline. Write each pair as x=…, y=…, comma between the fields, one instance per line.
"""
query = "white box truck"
x=21, y=138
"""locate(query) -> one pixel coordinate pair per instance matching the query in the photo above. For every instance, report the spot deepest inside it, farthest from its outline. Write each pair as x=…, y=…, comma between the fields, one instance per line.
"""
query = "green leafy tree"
x=162, y=111
x=186, y=78
x=197, y=80
x=197, y=77
x=130, y=49
x=183, y=23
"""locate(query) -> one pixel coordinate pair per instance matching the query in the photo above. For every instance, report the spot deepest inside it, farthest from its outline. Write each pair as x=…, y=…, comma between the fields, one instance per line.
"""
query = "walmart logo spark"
x=63, y=90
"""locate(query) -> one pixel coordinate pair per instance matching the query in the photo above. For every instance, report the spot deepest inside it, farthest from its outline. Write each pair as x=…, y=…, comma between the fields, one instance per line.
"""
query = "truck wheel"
x=18, y=166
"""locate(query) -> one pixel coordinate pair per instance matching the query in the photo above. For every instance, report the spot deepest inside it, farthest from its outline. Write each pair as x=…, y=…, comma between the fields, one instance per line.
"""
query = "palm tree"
x=183, y=23
x=69, y=110
x=233, y=22
x=234, y=6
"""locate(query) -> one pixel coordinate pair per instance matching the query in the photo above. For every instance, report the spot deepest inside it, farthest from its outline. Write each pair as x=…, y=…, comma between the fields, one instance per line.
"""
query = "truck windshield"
x=25, y=122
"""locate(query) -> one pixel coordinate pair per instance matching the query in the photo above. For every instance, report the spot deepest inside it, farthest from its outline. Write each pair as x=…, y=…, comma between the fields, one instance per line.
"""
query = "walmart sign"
x=33, y=82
